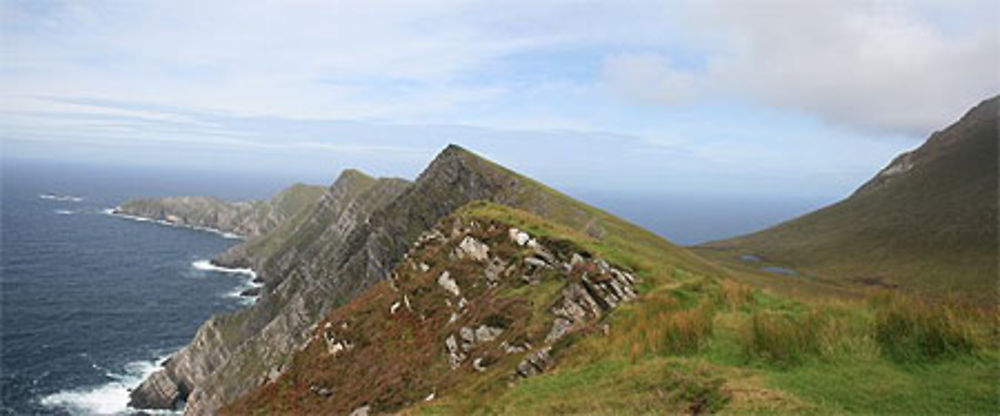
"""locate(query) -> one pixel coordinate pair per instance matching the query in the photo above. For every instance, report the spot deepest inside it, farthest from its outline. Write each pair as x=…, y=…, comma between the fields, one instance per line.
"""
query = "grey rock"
x=514, y=349
x=536, y=262
x=455, y=356
x=468, y=338
x=518, y=236
x=493, y=270
x=448, y=283
x=536, y=363
x=541, y=252
x=157, y=392
x=486, y=333
x=320, y=391
x=474, y=249
x=560, y=327
x=361, y=411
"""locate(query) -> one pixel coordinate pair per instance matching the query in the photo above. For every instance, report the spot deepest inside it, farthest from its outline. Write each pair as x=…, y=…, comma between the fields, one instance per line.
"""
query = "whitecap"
x=64, y=198
x=248, y=283
x=208, y=266
x=110, y=398
x=63, y=212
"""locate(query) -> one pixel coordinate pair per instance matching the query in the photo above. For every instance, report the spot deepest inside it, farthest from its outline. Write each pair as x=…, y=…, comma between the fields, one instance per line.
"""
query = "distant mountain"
x=245, y=218
x=349, y=239
x=927, y=221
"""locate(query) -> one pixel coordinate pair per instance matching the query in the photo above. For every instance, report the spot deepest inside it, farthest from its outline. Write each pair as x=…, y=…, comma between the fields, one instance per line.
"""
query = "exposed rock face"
x=349, y=239
x=157, y=392
x=246, y=218
x=433, y=335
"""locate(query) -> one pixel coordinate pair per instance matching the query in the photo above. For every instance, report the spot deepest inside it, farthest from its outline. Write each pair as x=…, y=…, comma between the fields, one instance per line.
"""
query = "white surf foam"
x=106, y=399
x=248, y=283
x=224, y=234
x=208, y=266
x=64, y=212
x=65, y=198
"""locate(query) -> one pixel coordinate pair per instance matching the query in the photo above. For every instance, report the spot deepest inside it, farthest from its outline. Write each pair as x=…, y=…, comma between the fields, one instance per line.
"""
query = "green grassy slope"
x=695, y=341
x=927, y=222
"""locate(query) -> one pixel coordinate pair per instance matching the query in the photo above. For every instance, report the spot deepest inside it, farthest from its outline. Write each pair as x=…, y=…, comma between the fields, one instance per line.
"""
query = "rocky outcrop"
x=351, y=238
x=157, y=392
x=441, y=319
x=244, y=218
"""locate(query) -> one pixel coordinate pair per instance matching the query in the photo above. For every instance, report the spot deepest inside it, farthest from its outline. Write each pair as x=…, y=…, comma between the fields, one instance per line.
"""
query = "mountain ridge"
x=334, y=263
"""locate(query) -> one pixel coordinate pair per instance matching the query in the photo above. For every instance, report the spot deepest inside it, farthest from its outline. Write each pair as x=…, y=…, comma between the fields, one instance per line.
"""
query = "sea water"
x=91, y=303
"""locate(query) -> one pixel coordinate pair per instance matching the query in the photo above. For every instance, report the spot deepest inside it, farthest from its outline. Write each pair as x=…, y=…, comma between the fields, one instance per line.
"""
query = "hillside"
x=245, y=218
x=928, y=221
x=499, y=311
x=349, y=240
x=421, y=298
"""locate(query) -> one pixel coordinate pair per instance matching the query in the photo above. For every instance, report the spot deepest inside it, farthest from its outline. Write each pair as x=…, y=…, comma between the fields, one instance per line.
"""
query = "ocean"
x=90, y=303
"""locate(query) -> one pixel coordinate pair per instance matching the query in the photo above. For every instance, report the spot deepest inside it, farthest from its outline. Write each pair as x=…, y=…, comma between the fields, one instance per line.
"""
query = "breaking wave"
x=248, y=283
x=110, y=398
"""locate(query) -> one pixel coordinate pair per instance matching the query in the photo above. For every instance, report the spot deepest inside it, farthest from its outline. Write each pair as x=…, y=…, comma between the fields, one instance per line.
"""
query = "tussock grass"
x=780, y=338
x=732, y=295
x=787, y=339
x=912, y=330
x=664, y=327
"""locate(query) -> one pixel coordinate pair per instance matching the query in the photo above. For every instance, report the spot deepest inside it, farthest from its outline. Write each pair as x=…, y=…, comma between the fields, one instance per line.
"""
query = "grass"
x=696, y=341
x=778, y=352
x=932, y=229
x=914, y=330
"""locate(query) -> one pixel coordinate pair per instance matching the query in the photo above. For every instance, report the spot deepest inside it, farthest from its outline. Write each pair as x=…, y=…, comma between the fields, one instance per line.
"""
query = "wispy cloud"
x=632, y=90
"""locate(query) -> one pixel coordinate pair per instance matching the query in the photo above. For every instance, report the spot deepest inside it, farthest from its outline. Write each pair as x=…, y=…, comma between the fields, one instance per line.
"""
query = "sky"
x=802, y=98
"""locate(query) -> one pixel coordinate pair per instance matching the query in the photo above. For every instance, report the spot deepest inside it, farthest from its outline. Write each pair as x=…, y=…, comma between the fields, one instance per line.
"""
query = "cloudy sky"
x=795, y=97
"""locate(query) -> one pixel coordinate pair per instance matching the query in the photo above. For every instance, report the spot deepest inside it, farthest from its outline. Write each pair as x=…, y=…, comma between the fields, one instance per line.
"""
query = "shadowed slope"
x=928, y=221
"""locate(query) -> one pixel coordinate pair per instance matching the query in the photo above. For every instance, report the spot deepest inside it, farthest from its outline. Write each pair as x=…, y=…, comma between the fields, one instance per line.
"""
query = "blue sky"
x=806, y=98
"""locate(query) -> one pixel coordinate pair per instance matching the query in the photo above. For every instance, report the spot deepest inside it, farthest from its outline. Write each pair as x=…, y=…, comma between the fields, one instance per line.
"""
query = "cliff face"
x=353, y=236
x=245, y=218
x=927, y=221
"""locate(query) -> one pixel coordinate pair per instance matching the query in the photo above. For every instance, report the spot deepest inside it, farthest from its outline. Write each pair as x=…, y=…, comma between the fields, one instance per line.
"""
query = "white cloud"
x=649, y=77
x=867, y=65
x=538, y=78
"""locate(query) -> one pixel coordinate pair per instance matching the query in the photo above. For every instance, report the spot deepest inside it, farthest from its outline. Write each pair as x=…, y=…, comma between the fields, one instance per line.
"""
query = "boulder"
x=474, y=249
x=448, y=283
x=486, y=333
x=519, y=237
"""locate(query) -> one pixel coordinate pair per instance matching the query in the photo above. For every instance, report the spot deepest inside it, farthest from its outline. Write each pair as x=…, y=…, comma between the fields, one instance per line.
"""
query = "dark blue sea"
x=90, y=302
